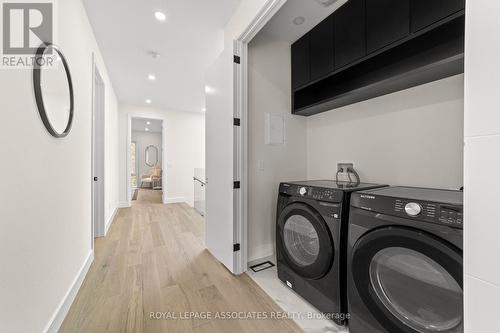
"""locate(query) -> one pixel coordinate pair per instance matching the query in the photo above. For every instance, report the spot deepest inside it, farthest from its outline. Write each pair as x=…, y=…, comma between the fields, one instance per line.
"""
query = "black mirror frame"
x=38, y=90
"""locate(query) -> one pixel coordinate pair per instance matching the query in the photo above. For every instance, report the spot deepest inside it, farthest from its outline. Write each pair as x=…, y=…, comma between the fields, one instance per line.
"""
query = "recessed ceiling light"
x=148, y=101
x=204, y=109
x=299, y=20
x=160, y=16
x=152, y=77
x=147, y=129
x=209, y=90
x=154, y=54
x=148, y=123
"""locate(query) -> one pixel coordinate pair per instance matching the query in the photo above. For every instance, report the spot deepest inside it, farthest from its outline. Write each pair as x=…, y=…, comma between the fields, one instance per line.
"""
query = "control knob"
x=413, y=209
x=302, y=191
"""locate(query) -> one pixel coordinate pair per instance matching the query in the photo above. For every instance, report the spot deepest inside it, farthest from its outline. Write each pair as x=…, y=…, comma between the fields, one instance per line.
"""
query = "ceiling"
x=188, y=41
x=140, y=125
x=282, y=26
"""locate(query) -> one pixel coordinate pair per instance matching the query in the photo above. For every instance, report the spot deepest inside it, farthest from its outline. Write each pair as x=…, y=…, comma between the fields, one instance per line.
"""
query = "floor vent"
x=262, y=266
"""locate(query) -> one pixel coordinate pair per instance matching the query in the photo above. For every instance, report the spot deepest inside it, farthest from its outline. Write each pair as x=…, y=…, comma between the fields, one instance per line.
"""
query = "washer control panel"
x=314, y=193
x=317, y=193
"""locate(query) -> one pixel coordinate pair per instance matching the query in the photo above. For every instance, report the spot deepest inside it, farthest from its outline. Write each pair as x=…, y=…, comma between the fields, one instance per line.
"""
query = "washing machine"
x=405, y=261
x=311, y=234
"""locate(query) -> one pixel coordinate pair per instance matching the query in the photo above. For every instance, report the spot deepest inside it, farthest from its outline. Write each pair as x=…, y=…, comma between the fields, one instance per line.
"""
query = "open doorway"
x=146, y=158
x=98, y=156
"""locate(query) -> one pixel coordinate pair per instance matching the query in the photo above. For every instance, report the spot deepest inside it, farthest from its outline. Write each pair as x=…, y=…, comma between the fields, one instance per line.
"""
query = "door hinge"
x=96, y=179
x=236, y=122
x=236, y=185
x=236, y=247
x=237, y=59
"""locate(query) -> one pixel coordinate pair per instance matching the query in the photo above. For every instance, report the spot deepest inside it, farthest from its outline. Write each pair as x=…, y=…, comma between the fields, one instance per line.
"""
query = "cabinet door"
x=300, y=62
x=322, y=48
x=427, y=12
x=387, y=21
x=350, y=33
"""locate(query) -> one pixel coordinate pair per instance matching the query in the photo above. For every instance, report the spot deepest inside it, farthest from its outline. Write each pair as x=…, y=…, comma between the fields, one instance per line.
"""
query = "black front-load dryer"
x=405, y=261
x=311, y=234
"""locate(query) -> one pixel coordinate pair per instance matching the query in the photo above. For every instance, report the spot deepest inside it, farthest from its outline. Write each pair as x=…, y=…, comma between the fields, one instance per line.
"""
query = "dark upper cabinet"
x=427, y=12
x=300, y=62
x=387, y=21
x=369, y=48
x=322, y=48
x=350, y=33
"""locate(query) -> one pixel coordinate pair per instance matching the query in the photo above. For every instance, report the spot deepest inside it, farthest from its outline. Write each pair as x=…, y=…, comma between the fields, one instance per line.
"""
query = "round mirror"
x=151, y=156
x=53, y=90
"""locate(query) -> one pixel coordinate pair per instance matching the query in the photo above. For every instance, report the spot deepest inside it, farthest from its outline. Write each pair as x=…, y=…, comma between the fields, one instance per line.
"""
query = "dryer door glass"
x=417, y=290
x=301, y=240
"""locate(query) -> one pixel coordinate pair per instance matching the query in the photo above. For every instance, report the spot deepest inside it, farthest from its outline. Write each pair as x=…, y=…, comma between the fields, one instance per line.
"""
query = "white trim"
x=110, y=221
x=124, y=205
x=174, y=200
x=63, y=308
x=260, y=20
x=241, y=102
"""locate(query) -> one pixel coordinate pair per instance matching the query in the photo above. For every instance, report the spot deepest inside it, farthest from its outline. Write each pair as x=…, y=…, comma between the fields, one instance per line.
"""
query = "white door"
x=222, y=200
x=98, y=156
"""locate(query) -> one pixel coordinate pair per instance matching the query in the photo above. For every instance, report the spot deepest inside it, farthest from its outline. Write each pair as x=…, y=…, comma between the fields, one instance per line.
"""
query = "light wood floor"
x=153, y=260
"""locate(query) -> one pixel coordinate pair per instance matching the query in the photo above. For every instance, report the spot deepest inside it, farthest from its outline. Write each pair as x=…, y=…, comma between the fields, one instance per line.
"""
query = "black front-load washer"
x=311, y=233
x=405, y=261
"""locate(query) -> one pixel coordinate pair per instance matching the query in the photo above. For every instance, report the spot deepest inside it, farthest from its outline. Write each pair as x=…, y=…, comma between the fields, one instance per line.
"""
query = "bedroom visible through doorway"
x=146, y=153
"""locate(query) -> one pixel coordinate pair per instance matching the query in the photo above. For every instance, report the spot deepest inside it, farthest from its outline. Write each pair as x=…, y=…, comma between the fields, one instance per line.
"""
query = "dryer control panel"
x=382, y=201
x=429, y=211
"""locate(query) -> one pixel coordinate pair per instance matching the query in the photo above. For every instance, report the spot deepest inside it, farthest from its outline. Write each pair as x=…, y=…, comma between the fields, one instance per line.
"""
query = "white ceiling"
x=188, y=42
x=140, y=125
x=281, y=25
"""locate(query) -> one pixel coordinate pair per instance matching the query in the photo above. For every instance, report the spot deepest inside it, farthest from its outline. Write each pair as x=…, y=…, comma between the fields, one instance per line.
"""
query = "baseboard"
x=173, y=200
x=63, y=308
x=110, y=221
x=123, y=205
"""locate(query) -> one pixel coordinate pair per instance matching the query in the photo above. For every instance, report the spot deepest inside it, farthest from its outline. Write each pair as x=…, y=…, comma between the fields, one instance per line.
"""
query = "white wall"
x=482, y=162
x=45, y=200
x=269, y=92
x=413, y=137
x=184, y=150
x=142, y=141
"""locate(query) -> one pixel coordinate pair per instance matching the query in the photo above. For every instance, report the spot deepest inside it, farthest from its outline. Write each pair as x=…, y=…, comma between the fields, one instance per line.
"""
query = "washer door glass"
x=417, y=290
x=301, y=240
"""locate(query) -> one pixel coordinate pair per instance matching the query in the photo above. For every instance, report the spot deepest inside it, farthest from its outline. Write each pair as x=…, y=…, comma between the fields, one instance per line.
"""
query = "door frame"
x=136, y=163
x=240, y=98
x=141, y=115
x=98, y=228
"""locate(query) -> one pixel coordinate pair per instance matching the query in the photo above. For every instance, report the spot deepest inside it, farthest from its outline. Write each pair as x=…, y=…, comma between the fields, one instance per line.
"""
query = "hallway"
x=153, y=260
